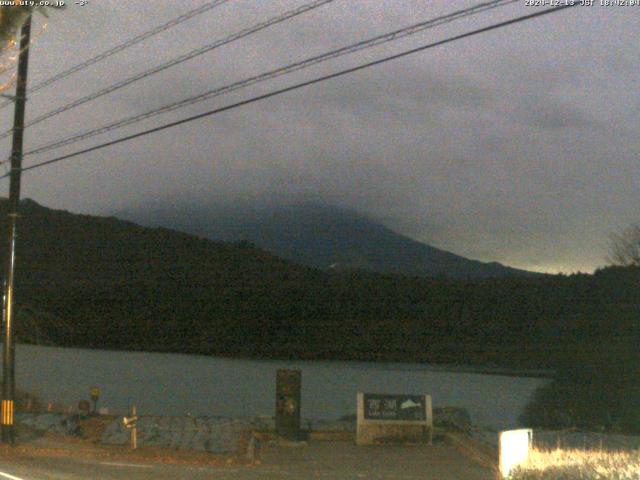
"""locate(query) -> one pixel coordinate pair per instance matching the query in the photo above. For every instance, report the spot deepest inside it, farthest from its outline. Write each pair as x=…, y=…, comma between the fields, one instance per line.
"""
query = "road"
x=318, y=460
x=74, y=469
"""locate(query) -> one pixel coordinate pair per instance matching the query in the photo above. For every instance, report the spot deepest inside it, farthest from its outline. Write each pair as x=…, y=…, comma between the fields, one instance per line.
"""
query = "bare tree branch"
x=624, y=247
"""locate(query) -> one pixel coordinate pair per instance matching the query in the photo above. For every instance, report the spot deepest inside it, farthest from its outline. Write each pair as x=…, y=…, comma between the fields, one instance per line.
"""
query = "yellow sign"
x=95, y=392
x=7, y=412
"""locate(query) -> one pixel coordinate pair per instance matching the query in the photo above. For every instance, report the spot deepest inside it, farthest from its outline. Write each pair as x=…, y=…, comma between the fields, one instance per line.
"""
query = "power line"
x=118, y=48
x=299, y=85
x=364, y=44
x=182, y=58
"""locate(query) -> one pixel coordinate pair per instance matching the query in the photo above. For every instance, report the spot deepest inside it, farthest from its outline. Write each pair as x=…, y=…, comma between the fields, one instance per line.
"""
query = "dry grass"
x=580, y=464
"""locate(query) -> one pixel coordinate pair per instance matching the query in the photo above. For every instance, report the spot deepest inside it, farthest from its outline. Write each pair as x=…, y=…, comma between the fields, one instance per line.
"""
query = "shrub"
x=601, y=392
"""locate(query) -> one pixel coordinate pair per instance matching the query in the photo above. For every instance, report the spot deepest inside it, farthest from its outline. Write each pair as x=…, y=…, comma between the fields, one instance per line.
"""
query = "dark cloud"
x=553, y=115
x=518, y=145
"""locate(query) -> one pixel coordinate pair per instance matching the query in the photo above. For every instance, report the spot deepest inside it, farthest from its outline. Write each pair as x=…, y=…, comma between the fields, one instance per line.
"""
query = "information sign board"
x=394, y=407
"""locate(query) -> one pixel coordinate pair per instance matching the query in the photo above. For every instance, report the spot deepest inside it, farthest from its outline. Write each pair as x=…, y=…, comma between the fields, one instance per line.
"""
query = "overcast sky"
x=519, y=145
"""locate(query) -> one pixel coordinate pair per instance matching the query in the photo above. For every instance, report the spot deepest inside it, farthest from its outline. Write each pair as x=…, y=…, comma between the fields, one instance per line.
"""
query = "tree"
x=624, y=248
x=11, y=20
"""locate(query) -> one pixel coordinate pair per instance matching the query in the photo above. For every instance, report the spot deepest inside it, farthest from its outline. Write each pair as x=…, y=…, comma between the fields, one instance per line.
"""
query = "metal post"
x=8, y=357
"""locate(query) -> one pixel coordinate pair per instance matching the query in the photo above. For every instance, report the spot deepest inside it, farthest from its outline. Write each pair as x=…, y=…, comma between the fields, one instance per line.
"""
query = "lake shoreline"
x=492, y=370
x=182, y=384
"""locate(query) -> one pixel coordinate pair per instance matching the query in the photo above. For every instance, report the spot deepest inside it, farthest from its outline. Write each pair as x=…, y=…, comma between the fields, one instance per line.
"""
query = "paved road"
x=318, y=460
x=68, y=469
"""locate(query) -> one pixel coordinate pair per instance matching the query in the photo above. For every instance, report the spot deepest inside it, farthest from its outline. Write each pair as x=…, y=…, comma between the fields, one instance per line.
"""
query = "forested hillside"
x=101, y=282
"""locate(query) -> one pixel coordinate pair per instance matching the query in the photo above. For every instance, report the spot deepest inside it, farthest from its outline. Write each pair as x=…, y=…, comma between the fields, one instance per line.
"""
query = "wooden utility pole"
x=8, y=357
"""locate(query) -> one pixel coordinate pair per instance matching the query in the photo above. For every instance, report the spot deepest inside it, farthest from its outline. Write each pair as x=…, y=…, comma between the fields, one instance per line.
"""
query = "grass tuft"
x=579, y=464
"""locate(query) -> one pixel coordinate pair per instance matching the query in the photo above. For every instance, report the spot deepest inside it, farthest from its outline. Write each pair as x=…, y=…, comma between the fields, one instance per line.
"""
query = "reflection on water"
x=172, y=384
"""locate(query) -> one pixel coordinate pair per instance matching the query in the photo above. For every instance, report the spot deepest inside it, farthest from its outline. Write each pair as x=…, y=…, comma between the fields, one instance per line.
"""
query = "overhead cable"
x=269, y=75
x=298, y=86
x=122, y=46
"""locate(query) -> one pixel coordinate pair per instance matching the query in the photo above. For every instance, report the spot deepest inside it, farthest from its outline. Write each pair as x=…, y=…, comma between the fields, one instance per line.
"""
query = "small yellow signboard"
x=7, y=412
x=95, y=392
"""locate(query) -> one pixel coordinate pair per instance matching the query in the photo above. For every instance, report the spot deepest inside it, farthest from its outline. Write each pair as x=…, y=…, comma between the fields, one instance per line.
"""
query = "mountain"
x=323, y=237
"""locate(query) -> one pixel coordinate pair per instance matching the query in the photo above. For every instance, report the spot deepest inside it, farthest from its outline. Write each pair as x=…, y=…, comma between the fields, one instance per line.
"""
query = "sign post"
x=386, y=418
x=131, y=423
x=95, y=394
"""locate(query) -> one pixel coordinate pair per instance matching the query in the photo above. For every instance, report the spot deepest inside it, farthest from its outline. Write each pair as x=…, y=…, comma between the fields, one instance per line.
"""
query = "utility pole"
x=8, y=357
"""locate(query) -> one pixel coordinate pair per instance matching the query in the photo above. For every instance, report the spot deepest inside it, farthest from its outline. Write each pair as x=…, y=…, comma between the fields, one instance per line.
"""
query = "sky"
x=518, y=145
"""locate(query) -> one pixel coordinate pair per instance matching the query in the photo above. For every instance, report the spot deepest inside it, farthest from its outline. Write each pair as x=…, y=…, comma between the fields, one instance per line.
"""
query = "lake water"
x=172, y=384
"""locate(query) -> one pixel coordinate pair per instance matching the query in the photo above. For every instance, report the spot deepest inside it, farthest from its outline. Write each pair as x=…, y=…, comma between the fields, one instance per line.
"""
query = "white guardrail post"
x=514, y=449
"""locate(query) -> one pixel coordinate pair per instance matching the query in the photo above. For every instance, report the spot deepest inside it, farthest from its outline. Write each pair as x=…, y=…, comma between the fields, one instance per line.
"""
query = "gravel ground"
x=312, y=460
x=185, y=437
